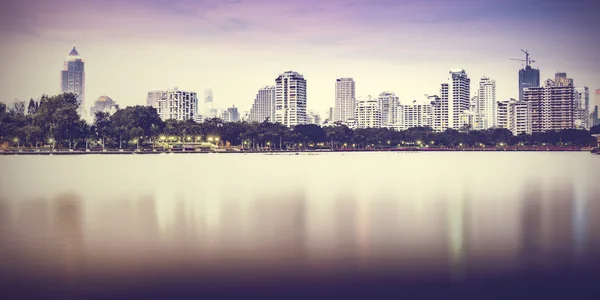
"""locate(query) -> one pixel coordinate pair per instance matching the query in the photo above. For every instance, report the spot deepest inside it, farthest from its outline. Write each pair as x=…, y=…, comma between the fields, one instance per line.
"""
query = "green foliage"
x=57, y=118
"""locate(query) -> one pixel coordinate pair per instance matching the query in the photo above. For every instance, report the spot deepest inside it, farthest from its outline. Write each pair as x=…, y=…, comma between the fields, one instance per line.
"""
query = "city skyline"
x=205, y=43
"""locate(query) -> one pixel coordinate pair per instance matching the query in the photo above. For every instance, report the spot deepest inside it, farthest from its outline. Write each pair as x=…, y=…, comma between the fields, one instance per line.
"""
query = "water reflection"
x=537, y=223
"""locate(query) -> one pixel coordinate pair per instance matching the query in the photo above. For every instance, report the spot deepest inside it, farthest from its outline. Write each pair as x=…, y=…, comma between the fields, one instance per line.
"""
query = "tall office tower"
x=417, y=114
x=345, y=99
x=439, y=108
x=528, y=76
x=457, y=96
x=234, y=114
x=582, y=108
x=487, y=102
x=176, y=104
x=263, y=107
x=73, y=78
x=552, y=106
x=388, y=102
x=209, y=110
x=104, y=104
x=368, y=114
x=290, y=99
x=515, y=116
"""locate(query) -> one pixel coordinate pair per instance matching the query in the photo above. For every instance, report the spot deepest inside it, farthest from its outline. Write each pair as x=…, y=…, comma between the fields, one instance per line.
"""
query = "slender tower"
x=73, y=78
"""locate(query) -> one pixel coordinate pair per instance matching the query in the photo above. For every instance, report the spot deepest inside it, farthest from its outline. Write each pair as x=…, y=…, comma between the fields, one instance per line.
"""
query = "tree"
x=31, y=109
x=102, y=126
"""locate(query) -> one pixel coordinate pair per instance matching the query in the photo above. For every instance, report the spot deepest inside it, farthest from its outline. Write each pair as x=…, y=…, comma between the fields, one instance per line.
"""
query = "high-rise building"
x=368, y=114
x=263, y=107
x=388, y=102
x=417, y=114
x=175, y=104
x=515, y=116
x=486, y=107
x=154, y=97
x=561, y=79
x=595, y=118
x=330, y=114
x=290, y=108
x=209, y=110
x=582, y=108
x=313, y=118
x=552, y=106
x=439, y=107
x=104, y=104
x=457, y=96
x=528, y=78
x=345, y=99
x=230, y=115
x=73, y=78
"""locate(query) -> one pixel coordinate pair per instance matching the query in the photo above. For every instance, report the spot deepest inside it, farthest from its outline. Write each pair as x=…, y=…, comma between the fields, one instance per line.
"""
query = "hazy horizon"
x=235, y=47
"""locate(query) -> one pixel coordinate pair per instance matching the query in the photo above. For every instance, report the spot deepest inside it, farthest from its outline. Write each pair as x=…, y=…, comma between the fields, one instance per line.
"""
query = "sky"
x=235, y=47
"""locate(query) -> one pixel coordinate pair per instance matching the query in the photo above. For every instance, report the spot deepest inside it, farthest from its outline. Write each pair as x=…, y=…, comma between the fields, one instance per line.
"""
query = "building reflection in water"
x=542, y=225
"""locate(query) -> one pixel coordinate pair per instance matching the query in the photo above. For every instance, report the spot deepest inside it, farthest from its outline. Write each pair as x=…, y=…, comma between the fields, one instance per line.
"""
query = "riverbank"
x=240, y=151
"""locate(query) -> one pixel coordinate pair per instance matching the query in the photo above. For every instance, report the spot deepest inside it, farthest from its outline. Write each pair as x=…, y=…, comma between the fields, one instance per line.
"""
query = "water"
x=335, y=224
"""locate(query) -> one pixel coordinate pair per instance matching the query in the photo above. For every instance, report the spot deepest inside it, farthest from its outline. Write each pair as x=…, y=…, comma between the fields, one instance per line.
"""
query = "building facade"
x=528, y=78
x=457, y=96
x=515, y=116
x=594, y=117
x=174, y=104
x=552, y=106
x=439, y=109
x=487, y=105
x=230, y=115
x=417, y=114
x=73, y=78
x=582, y=108
x=290, y=99
x=388, y=103
x=345, y=99
x=104, y=104
x=263, y=107
x=368, y=114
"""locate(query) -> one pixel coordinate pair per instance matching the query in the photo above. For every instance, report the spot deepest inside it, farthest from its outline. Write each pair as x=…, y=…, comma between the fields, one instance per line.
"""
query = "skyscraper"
x=263, y=107
x=209, y=110
x=528, y=77
x=439, y=107
x=417, y=114
x=458, y=96
x=582, y=108
x=234, y=115
x=388, y=102
x=345, y=99
x=486, y=107
x=290, y=108
x=552, y=106
x=73, y=78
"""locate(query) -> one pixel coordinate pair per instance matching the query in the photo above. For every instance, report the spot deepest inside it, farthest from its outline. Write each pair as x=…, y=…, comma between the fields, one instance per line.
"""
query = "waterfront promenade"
x=277, y=151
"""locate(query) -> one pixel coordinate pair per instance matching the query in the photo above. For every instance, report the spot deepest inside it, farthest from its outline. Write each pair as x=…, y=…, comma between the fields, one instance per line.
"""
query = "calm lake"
x=312, y=225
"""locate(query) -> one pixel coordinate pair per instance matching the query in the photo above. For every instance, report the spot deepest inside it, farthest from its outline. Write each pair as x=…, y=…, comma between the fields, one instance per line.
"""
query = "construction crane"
x=526, y=60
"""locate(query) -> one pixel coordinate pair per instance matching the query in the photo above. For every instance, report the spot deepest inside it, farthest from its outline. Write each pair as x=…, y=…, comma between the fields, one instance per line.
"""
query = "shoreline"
x=312, y=151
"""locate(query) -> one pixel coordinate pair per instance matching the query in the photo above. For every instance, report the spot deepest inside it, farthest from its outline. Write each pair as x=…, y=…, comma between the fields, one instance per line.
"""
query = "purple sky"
x=237, y=46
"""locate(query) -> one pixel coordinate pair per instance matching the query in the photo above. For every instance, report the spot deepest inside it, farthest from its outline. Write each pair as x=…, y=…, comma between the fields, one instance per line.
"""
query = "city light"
x=51, y=141
x=189, y=138
x=162, y=137
x=217, y=139
x=210, y=138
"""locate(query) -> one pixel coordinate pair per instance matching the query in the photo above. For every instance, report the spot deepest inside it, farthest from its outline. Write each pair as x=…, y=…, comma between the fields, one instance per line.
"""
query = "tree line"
x=54, y=121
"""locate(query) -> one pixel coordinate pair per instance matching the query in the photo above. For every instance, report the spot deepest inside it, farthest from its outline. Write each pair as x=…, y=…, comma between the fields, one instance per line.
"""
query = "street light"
x=16, y=140
x=162, y=137
x=210, y=138
x=189, y=138
x=51, y=141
